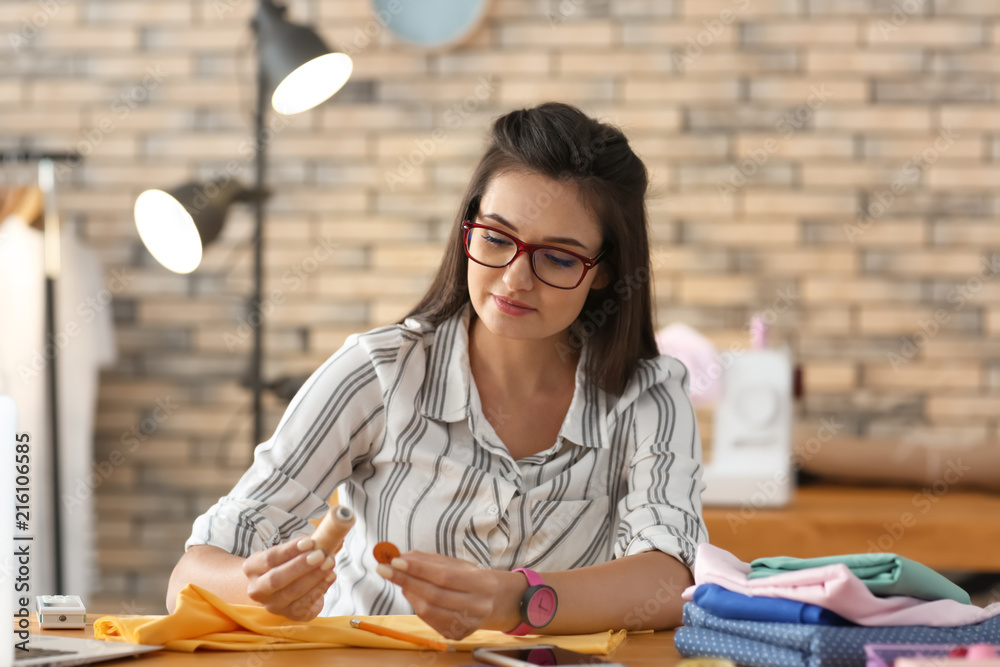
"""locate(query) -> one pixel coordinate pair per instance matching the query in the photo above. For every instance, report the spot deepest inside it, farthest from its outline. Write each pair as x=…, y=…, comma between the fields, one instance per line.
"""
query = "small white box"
x=62, y=612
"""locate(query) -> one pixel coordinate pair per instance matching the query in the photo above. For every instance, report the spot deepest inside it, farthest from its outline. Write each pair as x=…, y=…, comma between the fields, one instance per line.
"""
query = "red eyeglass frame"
x=529, y=249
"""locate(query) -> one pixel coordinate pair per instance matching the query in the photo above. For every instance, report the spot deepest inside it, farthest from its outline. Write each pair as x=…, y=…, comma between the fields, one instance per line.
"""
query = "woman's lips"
x=511, y=307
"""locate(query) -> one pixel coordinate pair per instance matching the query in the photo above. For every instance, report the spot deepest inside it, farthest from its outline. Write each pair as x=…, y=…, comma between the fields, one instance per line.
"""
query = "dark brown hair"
x=562, y=143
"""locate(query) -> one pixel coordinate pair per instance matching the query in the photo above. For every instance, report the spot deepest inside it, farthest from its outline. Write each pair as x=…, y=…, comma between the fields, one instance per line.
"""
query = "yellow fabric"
x=203, y=620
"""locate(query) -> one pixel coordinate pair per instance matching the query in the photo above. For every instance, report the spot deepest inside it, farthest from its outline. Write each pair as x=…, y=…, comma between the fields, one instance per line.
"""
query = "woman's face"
x=511, y=301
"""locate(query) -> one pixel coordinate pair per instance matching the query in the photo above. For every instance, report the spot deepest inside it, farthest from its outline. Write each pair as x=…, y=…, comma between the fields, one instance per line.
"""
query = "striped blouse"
x=393, y=419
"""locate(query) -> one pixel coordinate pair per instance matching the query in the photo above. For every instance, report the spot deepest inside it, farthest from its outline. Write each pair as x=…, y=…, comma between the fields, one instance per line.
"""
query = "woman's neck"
x=520, y=368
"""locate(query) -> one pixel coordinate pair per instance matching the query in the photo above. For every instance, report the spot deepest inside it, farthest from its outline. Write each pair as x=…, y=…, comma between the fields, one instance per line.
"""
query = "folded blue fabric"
x=768, y=644
x=725, y=603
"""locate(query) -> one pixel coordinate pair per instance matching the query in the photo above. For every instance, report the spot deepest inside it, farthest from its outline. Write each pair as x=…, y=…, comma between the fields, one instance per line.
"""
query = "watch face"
x=542, y=606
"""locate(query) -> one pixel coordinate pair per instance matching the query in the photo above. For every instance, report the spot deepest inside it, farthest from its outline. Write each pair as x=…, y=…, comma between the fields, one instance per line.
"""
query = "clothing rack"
x=51, y=235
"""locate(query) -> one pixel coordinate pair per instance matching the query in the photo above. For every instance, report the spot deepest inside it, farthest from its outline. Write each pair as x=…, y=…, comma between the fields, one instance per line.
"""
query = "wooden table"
x=951, y=530
x=640, y=650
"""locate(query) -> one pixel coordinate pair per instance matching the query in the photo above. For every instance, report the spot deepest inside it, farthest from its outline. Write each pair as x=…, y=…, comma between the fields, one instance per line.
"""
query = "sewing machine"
x=751, y=464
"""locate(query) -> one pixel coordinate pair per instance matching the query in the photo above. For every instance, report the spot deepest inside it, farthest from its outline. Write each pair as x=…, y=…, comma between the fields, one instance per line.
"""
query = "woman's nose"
x=518, y=275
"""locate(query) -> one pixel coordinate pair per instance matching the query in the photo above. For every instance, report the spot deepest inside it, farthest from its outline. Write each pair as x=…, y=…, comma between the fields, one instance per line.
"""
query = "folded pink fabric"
x=832, y=587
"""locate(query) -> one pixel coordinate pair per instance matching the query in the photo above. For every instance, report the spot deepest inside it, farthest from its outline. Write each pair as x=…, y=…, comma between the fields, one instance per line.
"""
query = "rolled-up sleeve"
x=661, y=510
x=328, y=427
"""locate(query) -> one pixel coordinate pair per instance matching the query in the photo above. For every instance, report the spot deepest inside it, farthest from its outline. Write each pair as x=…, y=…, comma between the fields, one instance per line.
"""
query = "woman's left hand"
x=456, y=597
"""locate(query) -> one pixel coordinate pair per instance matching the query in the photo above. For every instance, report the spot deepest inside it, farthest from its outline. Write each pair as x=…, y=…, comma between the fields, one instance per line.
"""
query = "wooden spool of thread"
x=332, y=530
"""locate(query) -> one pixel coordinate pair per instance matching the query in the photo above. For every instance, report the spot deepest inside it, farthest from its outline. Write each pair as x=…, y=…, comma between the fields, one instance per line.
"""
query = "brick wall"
x=831, y=160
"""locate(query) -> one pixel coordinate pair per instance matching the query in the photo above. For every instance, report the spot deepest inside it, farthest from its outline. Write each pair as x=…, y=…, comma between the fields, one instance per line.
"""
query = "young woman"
x=517, y=435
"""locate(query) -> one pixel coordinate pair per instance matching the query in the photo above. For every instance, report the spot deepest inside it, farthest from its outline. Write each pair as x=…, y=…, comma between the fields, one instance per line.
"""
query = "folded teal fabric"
x=883, y=573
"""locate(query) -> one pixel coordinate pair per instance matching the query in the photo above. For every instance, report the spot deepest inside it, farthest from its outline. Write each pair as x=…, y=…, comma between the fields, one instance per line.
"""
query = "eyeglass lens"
x=496, y=249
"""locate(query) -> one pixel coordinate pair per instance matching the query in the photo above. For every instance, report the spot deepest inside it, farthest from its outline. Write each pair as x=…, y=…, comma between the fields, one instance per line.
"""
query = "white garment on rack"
x=84, y=341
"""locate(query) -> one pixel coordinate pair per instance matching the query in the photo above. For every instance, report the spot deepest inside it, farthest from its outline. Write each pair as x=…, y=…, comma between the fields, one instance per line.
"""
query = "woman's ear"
x=602, y=279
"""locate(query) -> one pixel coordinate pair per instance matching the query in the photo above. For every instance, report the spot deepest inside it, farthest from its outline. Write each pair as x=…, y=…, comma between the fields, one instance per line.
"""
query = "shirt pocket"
x=570, y=533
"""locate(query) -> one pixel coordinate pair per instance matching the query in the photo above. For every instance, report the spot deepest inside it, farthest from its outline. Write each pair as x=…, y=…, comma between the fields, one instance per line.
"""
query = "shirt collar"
x=447, y=386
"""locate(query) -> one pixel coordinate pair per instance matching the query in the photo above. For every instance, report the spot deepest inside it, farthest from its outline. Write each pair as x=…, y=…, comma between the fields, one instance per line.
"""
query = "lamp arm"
x=252, y=195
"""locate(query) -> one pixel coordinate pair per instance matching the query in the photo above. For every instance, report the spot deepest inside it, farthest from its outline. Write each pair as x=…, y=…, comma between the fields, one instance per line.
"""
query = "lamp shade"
x=175, y=225
x=299, y=70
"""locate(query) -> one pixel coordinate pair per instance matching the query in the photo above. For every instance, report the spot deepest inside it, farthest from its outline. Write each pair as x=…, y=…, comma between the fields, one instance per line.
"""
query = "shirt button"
x=493, y=510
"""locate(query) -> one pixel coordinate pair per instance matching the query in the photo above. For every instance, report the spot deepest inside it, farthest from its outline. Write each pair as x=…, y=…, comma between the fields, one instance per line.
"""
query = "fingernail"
x=328, y=564
x=330, y=578
x=384, y=570
x=305, y=544
x=315, y=557
x=398, y=564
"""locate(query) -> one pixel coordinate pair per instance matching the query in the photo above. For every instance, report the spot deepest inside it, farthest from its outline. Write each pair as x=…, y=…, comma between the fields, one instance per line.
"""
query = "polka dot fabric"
x=766, y=644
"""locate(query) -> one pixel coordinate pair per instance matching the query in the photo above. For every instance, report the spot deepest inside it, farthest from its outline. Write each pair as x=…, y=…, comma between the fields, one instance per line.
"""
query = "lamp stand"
x=260, y=165
x=295, y=63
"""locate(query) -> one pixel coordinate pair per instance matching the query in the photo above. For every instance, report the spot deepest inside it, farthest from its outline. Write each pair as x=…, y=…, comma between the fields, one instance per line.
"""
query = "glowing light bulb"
x=312, y=83
x=168, y=231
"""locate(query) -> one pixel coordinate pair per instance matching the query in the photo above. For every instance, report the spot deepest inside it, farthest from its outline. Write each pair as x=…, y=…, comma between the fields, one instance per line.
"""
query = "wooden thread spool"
x=330, y=533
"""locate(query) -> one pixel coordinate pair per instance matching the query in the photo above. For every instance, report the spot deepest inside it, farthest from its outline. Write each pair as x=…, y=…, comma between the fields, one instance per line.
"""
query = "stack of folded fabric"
x=821, y=612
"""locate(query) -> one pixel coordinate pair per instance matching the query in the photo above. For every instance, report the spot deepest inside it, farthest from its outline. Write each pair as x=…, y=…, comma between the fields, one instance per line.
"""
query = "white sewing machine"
x=751, y=462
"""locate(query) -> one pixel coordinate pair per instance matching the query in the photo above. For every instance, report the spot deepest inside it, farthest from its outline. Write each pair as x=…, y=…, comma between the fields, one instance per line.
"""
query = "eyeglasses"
x=555, y=267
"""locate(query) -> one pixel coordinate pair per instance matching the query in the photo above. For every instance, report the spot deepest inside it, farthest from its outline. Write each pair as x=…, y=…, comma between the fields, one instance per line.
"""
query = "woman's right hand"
x=290, y=579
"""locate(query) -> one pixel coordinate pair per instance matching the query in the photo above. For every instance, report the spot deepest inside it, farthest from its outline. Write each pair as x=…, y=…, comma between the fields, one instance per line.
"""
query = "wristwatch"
x=538, y=604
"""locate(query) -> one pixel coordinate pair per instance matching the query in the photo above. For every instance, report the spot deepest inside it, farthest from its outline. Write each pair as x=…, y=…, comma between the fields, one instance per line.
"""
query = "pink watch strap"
x=534, y=579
